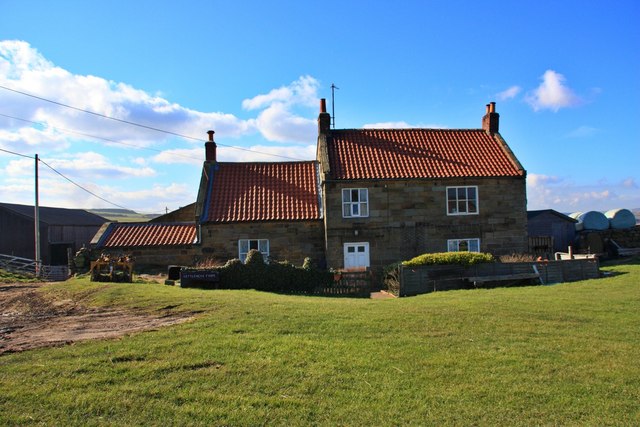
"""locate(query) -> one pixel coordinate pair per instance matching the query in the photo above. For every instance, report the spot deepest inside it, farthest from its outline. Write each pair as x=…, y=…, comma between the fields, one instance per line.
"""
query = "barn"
x=60, y=229
x=550, y=231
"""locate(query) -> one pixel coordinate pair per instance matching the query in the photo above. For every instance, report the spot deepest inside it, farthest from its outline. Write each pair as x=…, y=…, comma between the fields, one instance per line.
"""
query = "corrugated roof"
x=147, y=234
x=263, y=192
x=418, y=153
x=57, y=216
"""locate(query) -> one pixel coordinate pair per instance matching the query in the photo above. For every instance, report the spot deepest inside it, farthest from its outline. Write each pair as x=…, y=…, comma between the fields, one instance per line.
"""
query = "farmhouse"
x=391, y=194
x=372, y=197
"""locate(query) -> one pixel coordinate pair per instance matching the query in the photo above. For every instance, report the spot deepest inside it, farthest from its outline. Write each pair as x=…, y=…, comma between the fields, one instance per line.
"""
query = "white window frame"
x=355, y=208
x=463, y=202
x=245, y=245
x=453, y=245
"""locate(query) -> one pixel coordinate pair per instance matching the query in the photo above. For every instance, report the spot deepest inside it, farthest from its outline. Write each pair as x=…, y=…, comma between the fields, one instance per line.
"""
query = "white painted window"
x=462, y=200
x=245, y=245
x=463, y=245
x=355, y=202
x=356, y=255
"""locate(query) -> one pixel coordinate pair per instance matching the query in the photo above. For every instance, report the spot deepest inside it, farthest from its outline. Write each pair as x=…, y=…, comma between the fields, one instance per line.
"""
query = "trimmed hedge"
x=276, y=276
x=456, y=258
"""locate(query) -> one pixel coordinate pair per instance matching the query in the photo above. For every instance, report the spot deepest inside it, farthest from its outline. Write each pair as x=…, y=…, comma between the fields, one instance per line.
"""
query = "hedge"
x=457, y=258
x=275, y=276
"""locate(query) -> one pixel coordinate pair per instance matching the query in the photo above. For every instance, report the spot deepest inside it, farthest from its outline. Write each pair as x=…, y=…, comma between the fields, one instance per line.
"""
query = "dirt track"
x=28, y=321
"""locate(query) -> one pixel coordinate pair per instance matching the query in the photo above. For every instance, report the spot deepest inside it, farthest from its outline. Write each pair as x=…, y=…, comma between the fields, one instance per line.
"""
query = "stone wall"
x=154, y=257
x=596, y=241
x=288, y=240
x=409, y=217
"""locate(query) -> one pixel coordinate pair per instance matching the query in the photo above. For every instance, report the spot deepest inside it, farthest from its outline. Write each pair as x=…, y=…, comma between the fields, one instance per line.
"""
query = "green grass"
x=548, y=355
x=9, y=277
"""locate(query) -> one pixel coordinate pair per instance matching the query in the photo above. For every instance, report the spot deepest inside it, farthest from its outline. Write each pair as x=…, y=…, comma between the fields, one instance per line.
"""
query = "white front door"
x=356, y=255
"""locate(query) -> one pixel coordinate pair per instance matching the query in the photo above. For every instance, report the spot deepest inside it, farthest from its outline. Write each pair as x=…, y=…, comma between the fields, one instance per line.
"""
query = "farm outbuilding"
x=60, y=230
x=558, y=229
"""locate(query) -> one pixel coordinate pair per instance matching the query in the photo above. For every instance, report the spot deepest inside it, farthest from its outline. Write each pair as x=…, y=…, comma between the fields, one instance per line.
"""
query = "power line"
x=17, y=154
x=94, y=136
x=140, y=125
x=65, y=177
x=81, y=187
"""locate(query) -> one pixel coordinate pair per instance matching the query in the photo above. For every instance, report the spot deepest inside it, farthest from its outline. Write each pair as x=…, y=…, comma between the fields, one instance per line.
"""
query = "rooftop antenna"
x=333, y=111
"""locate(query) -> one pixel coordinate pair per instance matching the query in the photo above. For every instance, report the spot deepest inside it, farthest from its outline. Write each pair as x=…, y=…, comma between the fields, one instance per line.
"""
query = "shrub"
x=391, y=278
x=232, y=274
x=277, y=276
x=457, y=258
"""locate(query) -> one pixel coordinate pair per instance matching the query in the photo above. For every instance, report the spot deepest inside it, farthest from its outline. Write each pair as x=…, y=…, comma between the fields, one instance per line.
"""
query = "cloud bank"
x=563, y=195
x=81, y=145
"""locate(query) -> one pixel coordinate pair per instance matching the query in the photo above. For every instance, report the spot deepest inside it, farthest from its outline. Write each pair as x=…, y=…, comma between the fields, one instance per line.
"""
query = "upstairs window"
x=462, y=200
x=463, y=245
x=355, y=202
x=245, y=245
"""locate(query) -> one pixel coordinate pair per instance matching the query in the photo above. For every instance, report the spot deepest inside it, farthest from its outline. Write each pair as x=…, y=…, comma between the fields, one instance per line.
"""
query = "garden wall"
x=430, y=278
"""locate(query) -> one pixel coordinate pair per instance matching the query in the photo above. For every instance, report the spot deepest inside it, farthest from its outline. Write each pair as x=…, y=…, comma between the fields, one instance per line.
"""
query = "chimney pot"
x=211, y=132
x=323, y=105
x=492, y=107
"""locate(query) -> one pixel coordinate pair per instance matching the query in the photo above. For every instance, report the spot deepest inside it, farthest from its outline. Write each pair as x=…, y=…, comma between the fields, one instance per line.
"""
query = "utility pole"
x=37, y=223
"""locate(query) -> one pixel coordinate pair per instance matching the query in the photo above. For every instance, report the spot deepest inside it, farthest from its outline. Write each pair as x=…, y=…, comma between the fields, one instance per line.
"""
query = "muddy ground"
x=28, y=320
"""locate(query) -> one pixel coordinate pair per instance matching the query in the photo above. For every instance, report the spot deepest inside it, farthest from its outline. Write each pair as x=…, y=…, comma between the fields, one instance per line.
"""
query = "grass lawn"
x=545, y=355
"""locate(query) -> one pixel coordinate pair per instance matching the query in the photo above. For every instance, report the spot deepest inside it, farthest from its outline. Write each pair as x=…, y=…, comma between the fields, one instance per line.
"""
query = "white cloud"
x=277, y=123
x=24, y=69
x=563, y=195
x=509, y=93
x=552, y=94
x=303, y=91
x=86, y=166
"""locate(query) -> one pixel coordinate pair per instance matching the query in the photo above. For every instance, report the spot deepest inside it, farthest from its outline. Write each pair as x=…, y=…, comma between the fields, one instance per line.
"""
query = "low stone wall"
x=154, y=258
x=430, y=278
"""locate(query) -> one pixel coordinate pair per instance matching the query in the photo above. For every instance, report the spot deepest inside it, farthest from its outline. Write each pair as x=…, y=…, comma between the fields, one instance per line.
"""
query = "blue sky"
x=564, y=76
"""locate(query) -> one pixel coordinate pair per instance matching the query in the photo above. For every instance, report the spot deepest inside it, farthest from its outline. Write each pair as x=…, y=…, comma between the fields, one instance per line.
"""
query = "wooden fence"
x=349, y=283
x=424, y=279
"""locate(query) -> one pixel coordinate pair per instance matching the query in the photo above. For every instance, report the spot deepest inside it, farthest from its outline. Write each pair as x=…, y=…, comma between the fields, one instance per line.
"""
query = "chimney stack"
x=491, y=120
x=324, y=119
x=210, y=148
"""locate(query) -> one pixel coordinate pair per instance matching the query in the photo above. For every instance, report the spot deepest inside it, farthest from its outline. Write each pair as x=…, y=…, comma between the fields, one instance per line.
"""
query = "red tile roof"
x=263, y=192
x=147, y=234
x=418, y=153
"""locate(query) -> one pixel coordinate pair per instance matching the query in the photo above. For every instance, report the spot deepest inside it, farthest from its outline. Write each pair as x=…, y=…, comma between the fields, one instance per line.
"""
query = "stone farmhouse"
x=371, y=197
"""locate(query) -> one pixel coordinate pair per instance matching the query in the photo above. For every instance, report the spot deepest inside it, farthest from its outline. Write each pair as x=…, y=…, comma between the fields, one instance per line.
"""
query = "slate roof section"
x=419, y=153
x=57, y=216
x=534, y=214
x=147, y=234
x=280, y=191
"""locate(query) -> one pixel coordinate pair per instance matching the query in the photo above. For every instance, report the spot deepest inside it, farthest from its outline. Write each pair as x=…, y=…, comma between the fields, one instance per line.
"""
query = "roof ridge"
x=408, y=129
x=281, y=162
